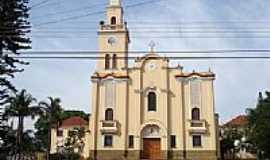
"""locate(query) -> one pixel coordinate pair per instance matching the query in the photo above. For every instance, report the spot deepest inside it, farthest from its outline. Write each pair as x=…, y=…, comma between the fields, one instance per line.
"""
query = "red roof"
x=240, y=120
x=74, y=121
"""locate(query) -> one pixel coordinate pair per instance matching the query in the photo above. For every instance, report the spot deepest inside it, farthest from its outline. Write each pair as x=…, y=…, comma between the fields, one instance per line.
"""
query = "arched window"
x=109, y=114
x=152, y=101
x=114, y=61
x=195, y=114
x=107, y=61
x=113, y=20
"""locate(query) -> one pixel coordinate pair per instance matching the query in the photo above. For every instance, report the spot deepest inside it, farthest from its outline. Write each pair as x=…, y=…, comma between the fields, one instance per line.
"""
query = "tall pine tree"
x=14, y=27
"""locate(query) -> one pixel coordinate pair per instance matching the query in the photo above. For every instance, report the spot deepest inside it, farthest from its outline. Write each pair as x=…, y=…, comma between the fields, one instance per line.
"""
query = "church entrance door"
x=151, y=148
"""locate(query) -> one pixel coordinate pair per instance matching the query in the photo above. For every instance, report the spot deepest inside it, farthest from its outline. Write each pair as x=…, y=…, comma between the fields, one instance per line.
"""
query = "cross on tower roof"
x=152, y=45
x=114, y=2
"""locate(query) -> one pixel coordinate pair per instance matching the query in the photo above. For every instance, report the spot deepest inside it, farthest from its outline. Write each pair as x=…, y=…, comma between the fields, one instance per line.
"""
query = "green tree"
x=228, y=137
x=21, y=106
x=259, y=118
x=52, y=115
x=7, y=142
x=14, y=28
x=29, y=146
x=74, y=144
x=42, y=125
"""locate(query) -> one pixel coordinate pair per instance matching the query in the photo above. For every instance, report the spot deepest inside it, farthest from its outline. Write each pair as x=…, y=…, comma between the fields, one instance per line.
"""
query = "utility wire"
x=144, y=52
x=141, y=25
x=88, y=7
x=155, y=37
x=150, y=33
x=92, y=13
x=153, y=58
x=148, y=28
x=95, y=55
x=142, y=3
x=69, y=18
x=47, y=4
x=68, y=11
x=202, y=22
x=39, y=4
x=53, y=3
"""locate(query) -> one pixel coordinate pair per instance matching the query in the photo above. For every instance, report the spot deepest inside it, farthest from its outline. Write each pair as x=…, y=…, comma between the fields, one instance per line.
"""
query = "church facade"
x=150, y=110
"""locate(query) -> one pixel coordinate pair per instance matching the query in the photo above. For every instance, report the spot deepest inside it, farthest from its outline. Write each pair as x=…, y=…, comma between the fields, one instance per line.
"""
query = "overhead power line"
x=93, y=13
x=155, y=37
x=69, y=18
x=68, y=11
x=154, y=58
x=150, y=31
x=144, y=52
x=142, y=25
x=203, y=22
x=45, y=3
x=88, y=7
x=241, y=54
x=39, y=4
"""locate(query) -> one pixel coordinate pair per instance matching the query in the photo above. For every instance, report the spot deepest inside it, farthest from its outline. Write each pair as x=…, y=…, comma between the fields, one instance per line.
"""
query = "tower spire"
x=115, y=13
x=114, y=3
x=113, y=38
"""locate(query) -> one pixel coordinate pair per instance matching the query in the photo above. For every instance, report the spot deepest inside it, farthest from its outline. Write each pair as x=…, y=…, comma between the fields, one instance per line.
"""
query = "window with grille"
x=173, y=141
x=130, y=141
x=114, y=63
x=109, y=114
x=197, y=140
x=108, y=140
x=152, y=101
x=107, y=61
x=195, y=114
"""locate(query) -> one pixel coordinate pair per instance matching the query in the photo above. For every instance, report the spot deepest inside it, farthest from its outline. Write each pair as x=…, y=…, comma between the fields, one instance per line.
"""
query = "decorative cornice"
x=204, y=75
x=108, y=75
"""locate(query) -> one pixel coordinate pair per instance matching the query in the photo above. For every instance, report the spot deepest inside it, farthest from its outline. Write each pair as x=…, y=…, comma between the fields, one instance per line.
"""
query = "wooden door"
x=151, y=148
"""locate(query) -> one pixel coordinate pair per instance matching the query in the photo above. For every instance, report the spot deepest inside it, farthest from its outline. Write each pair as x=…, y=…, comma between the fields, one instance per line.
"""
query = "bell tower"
x=113, y=39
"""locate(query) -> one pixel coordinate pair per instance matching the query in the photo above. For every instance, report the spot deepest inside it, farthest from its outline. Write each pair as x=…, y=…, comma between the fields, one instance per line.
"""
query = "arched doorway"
x=151, y=139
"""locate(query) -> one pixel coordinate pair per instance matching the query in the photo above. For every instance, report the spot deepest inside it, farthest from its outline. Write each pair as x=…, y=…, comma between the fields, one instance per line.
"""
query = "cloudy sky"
x=70, y=25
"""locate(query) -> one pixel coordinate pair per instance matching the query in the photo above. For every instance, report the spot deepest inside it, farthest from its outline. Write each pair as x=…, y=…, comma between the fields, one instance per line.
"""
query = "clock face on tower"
x=112, y=41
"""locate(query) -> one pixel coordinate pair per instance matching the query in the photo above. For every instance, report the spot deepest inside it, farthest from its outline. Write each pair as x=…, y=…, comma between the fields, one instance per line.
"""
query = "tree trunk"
x=20, y=136
x=1, y=46
x=19, y=139
x=49, y=142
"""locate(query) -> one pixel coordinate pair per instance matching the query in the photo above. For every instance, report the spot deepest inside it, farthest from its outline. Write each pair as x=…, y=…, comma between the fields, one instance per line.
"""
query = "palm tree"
x=52, y=111
x=29, y=145
x=20, y=106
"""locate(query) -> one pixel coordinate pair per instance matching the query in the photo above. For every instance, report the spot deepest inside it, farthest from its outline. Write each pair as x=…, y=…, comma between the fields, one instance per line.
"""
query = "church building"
x=150, y=110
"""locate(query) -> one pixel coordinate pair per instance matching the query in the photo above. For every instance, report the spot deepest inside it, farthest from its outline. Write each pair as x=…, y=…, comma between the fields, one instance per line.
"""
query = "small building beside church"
x=150, y=110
